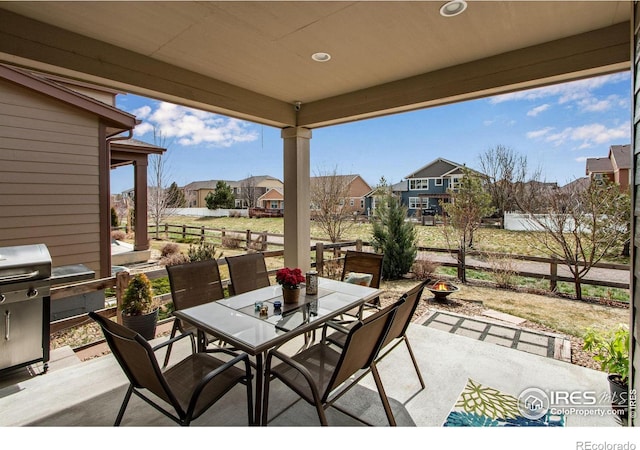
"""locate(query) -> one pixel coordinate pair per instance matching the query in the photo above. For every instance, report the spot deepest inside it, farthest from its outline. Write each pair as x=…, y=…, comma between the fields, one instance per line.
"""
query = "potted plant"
x=290, y=280
x=139, y=311
x=611, y=350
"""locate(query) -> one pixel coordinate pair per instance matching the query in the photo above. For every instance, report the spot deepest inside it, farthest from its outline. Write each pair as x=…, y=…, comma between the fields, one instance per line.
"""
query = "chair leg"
x=415, y=363
x=265, y=393
x=125, y=402
x=383, y=395
x=173, y=333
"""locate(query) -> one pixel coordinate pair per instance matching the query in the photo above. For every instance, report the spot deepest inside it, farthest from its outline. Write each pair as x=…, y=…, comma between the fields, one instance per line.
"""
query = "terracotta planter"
x=291, y=295
x=144, y=324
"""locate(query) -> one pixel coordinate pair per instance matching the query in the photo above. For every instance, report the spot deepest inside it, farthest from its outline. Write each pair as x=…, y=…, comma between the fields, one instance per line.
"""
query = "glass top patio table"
x=236, y=321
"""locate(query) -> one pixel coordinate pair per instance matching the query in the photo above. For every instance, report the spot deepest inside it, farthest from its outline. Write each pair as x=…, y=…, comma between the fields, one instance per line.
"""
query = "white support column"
x=297, y=223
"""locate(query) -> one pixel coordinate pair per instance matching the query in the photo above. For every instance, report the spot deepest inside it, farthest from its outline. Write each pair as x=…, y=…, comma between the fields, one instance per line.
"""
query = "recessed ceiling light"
x=453, y=8
x=321, y=57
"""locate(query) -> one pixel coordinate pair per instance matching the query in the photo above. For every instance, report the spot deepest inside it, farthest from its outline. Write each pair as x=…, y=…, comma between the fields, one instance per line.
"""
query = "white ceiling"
x=253, y=59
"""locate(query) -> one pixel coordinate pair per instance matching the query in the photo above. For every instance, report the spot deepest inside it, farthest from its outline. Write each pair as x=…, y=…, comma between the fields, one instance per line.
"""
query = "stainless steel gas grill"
x=25, y=303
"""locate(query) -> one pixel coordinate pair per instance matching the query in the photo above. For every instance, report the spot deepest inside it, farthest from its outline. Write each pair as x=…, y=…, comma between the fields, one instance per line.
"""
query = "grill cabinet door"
x=20, y=333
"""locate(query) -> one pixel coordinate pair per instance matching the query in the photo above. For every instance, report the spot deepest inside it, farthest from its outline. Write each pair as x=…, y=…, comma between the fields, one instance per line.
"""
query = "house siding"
x=49, y=176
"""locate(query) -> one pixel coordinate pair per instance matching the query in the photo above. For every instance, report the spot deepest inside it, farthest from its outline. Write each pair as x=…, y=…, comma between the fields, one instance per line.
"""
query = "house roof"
x=437, y=168
x=578, y=184
x=620, y=156
x=125, y=151
x=598, y=165
x=208, y=184
x=211, y=184
x=257, y=179
x=117, y=120
x=272, y=194
x=206, y=54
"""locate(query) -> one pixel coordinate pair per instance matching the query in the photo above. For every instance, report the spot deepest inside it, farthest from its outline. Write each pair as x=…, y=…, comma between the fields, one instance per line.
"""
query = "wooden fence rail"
x=322, y=253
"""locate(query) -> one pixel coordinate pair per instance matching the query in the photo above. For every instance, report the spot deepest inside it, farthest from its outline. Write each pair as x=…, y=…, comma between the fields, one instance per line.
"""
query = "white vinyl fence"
x=206, y=212
x=524, y=222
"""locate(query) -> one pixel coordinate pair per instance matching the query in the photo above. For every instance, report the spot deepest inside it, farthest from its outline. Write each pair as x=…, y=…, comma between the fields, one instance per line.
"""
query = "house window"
x=414, y=202
x=274, y=204
x=438, y=182
x=361, y=203
x=238, y=203
x=416, y=184
x=455, y=182
x=352, y=202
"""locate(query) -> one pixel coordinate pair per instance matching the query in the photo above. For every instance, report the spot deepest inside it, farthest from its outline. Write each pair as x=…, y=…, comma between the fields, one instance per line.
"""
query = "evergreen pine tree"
x=394, y=237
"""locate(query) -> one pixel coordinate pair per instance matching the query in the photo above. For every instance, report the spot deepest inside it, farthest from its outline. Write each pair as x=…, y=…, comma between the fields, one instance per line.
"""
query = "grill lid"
x=24, y=262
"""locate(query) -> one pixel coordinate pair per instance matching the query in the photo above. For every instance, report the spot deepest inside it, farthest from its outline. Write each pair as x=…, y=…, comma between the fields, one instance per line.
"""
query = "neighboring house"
x=56, y=149
x=428, y=186
x=272, y=199
x=246, y=191
x=356, y=190
x=615, y=167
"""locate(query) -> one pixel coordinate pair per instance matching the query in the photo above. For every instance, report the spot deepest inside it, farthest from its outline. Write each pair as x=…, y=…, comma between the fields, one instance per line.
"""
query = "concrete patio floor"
x=90, y=393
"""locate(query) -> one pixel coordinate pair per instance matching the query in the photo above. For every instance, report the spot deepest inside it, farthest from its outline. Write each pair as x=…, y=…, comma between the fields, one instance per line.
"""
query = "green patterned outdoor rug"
x=483, y=406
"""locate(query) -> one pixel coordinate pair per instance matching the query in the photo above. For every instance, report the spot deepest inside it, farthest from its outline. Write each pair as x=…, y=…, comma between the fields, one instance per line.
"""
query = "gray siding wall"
x=49, y=176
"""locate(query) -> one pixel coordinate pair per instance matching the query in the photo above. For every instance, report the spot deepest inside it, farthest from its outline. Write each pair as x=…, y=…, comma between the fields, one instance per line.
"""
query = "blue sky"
x=555, y=127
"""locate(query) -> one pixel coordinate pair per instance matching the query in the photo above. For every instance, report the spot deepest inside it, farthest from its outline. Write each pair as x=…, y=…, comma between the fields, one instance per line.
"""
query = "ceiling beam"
x=598, y=52
x=40, y=46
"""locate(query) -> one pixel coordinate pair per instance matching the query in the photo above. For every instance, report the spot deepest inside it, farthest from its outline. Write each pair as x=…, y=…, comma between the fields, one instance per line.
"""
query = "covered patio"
x=90, y=393
x=299, y=66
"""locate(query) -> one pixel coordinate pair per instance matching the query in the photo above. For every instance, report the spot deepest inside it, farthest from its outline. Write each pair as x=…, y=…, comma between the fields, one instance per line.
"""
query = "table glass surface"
x=236, y=320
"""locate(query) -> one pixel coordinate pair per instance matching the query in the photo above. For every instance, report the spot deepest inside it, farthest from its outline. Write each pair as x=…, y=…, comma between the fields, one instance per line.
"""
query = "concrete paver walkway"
x=502, y=333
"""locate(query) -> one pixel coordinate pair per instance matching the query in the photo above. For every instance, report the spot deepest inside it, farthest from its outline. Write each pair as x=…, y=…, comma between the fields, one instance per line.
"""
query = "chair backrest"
x=195, y=283
x=136, y=357
x=362, y=345
x=363, y=262
x=247, y=272
x=405, y=312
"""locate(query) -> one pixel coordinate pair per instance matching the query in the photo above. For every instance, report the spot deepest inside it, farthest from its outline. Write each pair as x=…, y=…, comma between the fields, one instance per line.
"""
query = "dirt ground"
x=476, y=307
x=468, y=301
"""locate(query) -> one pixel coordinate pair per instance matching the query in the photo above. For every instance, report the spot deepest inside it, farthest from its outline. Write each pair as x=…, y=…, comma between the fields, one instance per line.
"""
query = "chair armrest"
x=214, y=373
x=172, y=340
x=296, y=365
x=336, y=325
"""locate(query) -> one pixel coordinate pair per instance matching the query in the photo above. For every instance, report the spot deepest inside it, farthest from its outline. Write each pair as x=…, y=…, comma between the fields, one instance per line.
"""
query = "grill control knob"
x=32, y=292
x=2, y=298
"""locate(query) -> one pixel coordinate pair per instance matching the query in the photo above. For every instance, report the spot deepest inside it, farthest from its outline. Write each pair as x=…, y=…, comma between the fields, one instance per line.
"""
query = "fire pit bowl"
x=440, y=289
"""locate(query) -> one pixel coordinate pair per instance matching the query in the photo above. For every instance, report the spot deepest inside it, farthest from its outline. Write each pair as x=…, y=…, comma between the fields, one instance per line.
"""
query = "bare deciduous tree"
x=249, y=192
x=158, y=179
x=507, y=172
x=329, y=205
x=469, y=204
x=582, y=223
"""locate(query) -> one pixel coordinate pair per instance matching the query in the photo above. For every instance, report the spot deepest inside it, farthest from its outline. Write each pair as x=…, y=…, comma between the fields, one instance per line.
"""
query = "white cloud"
x=582, y=159
x=487, y=123
x=538, y=133
x=142, y=112
x=584, y=136
x=537, y=110
x=592, y=104
x=572, y=91
x=194, y=127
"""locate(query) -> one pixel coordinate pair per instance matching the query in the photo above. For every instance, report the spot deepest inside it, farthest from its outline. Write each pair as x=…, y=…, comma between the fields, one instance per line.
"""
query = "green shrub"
x=138, y=297
x=611, y=349
x=394, y=237
x=203, y=251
